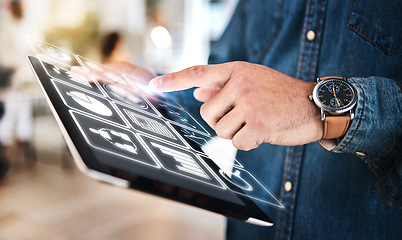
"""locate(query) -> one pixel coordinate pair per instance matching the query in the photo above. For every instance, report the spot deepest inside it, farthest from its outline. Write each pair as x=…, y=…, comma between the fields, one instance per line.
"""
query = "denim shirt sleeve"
x=375, y=134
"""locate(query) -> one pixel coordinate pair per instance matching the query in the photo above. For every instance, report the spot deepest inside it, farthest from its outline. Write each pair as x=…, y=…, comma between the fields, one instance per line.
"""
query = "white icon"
x=55, y=53
x=185, y=120
x=185, y=162
x=78, y=79
x=56, y=70
x=125, y=96
x=182, y=119
x=150, y=125
x=117, y=139
x=72, y=76
x=251, y=186
x=245, y=185
x=179, y=116
x=191, y=135
x=90, y=103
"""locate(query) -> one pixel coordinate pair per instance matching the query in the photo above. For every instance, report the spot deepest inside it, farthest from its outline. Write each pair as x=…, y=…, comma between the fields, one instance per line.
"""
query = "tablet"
x=121, y=133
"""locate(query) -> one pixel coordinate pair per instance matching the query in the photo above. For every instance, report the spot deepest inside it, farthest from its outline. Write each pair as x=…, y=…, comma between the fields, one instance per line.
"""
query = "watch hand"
x=336, y=98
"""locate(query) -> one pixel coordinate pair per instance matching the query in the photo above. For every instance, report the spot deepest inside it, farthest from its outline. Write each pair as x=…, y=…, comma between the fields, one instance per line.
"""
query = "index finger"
x=206, y=76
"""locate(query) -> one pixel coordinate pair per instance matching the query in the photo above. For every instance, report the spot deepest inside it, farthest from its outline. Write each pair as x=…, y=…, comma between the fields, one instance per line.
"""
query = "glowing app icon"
x=117, y=142
x=183, y=163
x=241, y=183
x=184, y=119
x=152, y=125
x=55, y=52
x=52, y=54
x=244, y=183
x=117, y=139
x=103, y=73
x=197, y=139
x=90, y=103
x=79, y=79
x=68, y=75
x=124, y=95
x=181, y=119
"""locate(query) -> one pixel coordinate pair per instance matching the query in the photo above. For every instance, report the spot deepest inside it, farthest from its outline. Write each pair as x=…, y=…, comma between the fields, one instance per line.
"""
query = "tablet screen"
x=122, y=129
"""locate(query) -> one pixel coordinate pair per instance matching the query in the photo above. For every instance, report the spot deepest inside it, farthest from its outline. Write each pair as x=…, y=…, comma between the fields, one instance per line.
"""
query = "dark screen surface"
x=121, y=129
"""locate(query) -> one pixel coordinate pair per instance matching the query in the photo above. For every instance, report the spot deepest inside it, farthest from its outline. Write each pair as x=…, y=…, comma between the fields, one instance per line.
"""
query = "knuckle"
x=247, y=100
x=246, y=103
x=237, y=143
x=257, y=121
x=240, y=144
x=221, y=133
x=221, y=130
x=240, y=82
x=239, y=65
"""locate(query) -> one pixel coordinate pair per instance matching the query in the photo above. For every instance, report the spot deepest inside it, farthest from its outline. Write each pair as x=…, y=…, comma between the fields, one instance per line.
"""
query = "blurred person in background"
x=112, y=48
x=256, y=93
x=5, y=77
x=4, y=164
x=17, y=98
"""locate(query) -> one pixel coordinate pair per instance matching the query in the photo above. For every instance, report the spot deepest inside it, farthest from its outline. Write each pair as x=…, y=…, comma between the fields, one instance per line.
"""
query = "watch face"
x=335, y=95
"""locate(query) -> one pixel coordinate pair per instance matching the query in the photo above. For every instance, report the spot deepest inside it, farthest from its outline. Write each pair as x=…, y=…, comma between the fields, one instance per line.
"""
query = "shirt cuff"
x=375, y=134
x=377, y=127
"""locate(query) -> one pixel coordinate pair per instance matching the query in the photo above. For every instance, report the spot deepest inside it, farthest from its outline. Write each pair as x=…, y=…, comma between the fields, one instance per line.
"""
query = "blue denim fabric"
x=338, y=194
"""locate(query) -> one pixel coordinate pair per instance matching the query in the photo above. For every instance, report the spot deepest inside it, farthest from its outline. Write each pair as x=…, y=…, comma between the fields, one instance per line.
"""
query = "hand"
x=249, y=103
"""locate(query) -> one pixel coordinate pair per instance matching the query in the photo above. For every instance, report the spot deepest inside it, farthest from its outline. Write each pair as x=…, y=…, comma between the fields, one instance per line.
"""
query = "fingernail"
x=155, y=83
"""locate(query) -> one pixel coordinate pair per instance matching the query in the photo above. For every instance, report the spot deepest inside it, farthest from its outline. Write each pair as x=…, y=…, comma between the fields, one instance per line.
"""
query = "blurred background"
x=42, y=194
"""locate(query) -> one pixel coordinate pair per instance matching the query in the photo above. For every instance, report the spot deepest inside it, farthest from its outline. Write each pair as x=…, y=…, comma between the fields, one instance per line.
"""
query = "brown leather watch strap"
x=329, y=77
x=335, y=126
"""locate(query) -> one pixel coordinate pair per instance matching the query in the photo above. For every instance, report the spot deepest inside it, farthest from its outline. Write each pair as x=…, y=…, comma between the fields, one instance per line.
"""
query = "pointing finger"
x=208, y=76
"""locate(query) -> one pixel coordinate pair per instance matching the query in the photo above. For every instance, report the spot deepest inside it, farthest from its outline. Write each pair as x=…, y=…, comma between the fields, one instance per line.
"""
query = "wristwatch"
x=337, y=99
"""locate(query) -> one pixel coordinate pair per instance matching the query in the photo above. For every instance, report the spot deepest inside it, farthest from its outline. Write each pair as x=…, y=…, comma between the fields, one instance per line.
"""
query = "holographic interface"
x=120, y=119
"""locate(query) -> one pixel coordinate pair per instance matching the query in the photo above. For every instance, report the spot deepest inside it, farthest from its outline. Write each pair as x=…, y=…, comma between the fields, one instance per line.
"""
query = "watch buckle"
x=322, y=114
x=352, y=114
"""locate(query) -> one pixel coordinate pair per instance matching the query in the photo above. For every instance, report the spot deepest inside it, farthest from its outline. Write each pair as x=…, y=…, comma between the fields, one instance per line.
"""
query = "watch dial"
x=335, y=93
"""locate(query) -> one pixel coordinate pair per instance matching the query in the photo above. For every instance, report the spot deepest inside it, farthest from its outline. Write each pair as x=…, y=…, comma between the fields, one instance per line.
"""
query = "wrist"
x=336, y=98
x=315, y=113
x=313, y=126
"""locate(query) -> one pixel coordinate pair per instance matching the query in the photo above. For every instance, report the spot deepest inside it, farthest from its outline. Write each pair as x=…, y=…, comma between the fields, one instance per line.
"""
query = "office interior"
x=43, y=195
